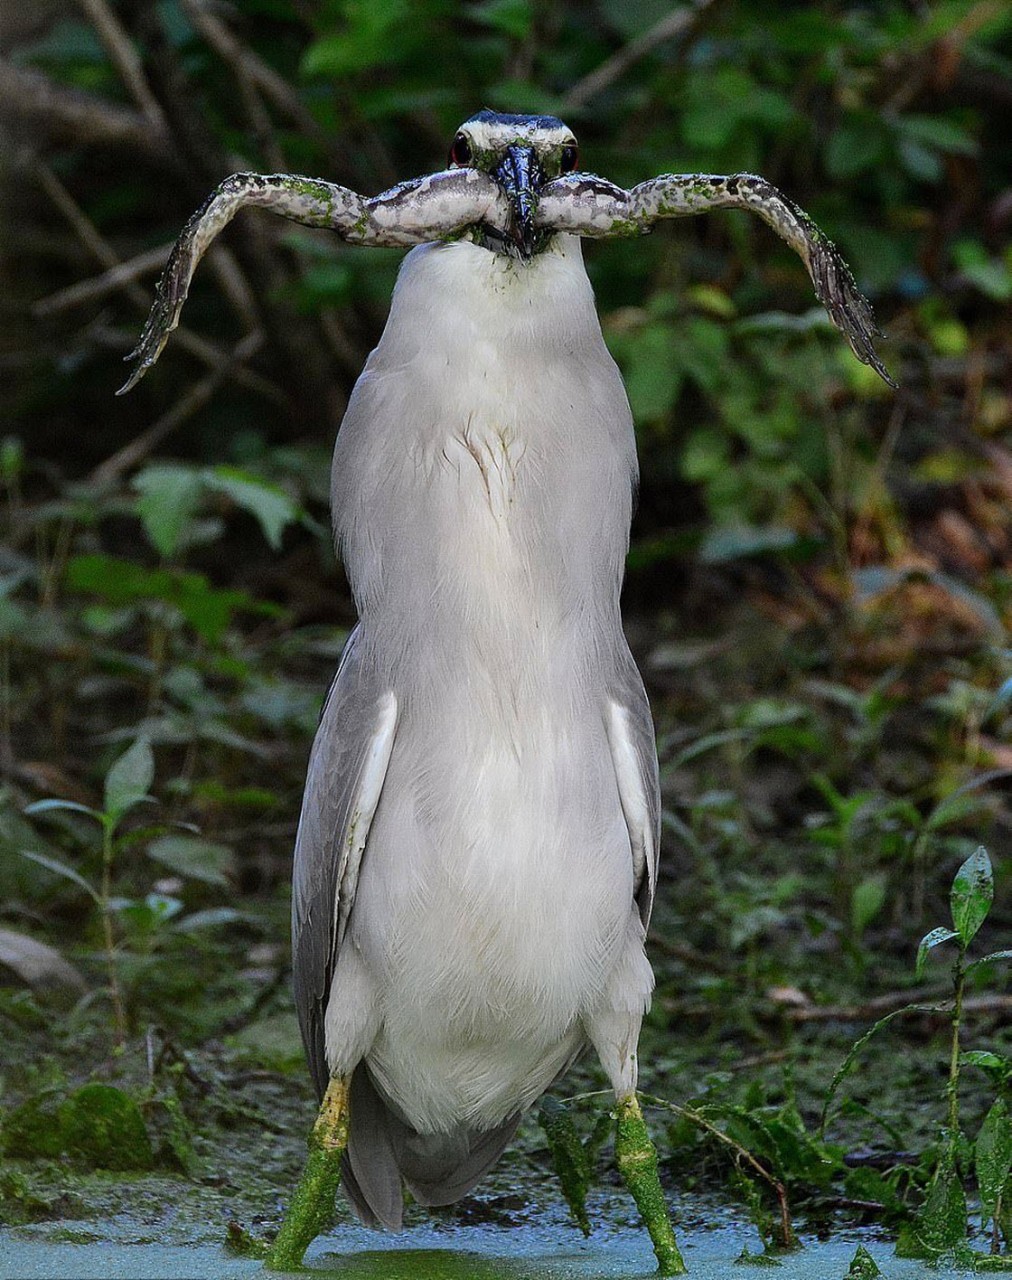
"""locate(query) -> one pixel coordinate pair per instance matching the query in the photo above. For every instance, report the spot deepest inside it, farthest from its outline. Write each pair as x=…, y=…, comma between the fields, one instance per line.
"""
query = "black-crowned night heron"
x=477, y=853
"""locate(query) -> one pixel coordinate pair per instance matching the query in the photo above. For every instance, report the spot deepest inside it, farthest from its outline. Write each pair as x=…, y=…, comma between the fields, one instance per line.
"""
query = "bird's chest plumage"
x=482, y=494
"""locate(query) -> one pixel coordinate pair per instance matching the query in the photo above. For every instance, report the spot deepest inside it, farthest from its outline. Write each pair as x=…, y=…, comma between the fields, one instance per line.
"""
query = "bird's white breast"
x=482, y=491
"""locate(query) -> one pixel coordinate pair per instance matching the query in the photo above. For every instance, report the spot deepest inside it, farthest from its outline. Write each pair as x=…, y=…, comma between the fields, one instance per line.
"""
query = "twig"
x=858, y=1013
x=671, y=25
x=198, y=395
x=787, y=1237
x=98, y=286
x=234, y=285
x=240, y=57
x=79, y=116
x=125, y=59
x=260, y=121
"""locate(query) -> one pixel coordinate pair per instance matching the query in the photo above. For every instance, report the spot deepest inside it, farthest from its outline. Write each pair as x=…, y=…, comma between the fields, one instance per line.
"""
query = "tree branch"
x=124, y=58
x=248, y=65
x=200, y=393
x=98, y=286
x=78, y=117
x=671, y=25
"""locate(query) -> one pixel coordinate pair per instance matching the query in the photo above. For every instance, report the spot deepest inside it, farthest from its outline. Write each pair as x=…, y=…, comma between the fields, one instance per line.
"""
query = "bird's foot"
x=312, y=1207
x=637, y=1163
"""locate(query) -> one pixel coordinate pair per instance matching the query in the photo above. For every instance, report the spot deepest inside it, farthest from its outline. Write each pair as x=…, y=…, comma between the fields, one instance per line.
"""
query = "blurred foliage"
x=820, y=581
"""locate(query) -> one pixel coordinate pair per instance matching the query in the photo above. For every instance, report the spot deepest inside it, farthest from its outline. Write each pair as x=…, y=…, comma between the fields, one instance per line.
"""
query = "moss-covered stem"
x=952, y=1087
x=312, y=1208
x=637, y=1163
x=105, y=903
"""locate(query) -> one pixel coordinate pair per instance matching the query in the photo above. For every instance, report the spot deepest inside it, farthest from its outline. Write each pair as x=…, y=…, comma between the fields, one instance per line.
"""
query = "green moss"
x=98, y=1125
x=637, y=1163
x=312, y=1208
x=572, y=1166
x=32, y=1131
x=102, y=1126
x=627, y=227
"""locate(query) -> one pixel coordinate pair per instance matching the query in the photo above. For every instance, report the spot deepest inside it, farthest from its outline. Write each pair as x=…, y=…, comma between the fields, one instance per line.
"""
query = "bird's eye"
x=570, y=157
x=460, y=151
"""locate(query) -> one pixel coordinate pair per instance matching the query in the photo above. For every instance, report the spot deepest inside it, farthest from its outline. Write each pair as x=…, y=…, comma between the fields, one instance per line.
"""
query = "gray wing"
x=630, y=731
x=586, y=205
x=347, y=768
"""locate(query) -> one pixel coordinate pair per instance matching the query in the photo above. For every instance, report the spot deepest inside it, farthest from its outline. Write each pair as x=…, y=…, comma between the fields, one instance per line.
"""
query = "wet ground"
x=124, y=1249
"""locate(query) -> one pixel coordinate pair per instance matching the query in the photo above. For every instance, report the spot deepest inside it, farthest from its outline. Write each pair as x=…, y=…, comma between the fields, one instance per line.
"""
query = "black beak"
x=519, y=174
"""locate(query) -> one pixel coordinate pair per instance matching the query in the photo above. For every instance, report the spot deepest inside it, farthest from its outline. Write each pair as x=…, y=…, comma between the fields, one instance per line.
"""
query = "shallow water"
x=436, y=1253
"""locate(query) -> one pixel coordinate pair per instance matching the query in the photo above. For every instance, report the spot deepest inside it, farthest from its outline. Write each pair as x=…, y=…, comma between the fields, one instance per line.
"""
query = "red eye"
x=570, y=158
x=460, y=151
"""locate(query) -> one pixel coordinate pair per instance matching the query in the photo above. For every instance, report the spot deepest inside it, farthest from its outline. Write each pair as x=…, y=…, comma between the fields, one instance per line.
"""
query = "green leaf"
x=168, y=501
x=194, y=858
x=993, y=1157
x=987, y=1061
x=854, y=1052
x=956, y=807
x=61, y=869
x=69, y=806
x=271, y=506
x=972, y=894
x=727, y=542
x=855, y=147
x=942, y=1221
x=513, y=17
x=862, y=1266
x=120, y=581
x=374, y=33
x=128, y=781
x=936, y=131
x=992, y=958
x=212, y=918
x=929, y=941
x=866, y=902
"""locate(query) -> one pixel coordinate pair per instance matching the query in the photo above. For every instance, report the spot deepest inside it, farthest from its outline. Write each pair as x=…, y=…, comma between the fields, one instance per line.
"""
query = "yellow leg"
x=312, y=1208
x=637, y=1163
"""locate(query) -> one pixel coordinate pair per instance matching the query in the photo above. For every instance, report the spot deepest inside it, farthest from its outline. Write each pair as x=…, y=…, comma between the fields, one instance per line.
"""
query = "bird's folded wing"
x=630, y=733
x=347, y=769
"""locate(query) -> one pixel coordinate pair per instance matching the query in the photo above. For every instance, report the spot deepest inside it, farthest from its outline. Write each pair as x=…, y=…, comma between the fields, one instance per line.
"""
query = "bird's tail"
x=382, y=1150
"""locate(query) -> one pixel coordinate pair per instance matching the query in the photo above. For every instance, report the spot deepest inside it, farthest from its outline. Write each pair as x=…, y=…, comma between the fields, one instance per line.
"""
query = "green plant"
x=940, y=1225
x=134, y=928
x=126, y=786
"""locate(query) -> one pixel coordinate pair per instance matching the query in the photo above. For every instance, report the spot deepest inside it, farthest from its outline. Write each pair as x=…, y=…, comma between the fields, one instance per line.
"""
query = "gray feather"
x=438, y=1169
x=370, y=1175
x=346, y=732
x=631, y=694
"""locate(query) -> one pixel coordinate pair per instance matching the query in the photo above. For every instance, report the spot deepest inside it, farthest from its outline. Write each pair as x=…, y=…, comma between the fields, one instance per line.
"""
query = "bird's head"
x=522, y=154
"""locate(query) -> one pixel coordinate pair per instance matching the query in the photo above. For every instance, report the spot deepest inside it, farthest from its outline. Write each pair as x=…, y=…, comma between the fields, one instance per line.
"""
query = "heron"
x=477, y=852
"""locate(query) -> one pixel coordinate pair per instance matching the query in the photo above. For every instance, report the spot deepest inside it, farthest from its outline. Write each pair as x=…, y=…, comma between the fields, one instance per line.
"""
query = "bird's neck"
x=484, y=472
